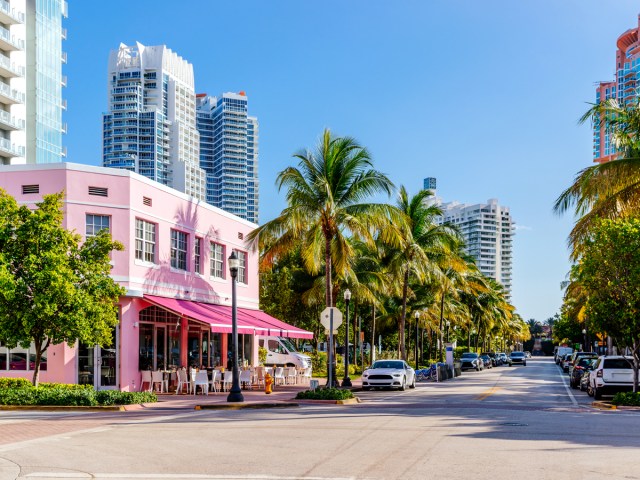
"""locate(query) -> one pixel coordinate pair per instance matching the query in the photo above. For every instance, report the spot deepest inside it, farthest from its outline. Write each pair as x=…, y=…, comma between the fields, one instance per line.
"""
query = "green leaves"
x=53, y=288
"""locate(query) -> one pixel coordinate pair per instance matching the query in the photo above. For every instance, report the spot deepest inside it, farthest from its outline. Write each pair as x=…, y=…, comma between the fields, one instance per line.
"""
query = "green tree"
x=326, y=202
x=53, y=288
x=609, y=270
x=611, y=189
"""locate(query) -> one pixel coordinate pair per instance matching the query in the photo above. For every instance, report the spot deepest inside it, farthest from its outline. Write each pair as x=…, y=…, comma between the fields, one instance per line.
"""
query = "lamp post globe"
x=346, y=381
x=584, y=334
x=235, y=394
x=417, y=317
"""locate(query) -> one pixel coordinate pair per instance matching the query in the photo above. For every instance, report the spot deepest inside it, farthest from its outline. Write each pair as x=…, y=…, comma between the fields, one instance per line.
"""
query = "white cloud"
x=523, y=227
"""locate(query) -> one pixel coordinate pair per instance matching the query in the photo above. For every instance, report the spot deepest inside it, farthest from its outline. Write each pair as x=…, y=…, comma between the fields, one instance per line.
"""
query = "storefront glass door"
x=98, y=366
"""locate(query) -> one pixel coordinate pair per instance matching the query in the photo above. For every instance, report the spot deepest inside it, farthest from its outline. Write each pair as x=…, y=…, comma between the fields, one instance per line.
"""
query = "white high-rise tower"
x=151, y=124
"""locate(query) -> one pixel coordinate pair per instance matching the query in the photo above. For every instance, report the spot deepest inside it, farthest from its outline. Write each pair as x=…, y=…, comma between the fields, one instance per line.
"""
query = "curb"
x=604, y=405
x=244, y=406
x=348, y=401
x=65, y=408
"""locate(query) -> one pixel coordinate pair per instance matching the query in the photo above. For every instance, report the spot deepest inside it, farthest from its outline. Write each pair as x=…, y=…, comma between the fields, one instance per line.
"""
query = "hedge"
x=628, y=399
x=325, y=394
x=18, y=391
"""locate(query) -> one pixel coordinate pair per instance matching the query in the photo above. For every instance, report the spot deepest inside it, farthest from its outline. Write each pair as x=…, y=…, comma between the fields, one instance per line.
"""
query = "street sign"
x=325, y=318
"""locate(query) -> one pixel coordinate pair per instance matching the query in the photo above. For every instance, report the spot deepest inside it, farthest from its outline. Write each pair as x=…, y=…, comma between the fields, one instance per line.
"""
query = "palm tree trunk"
x=373, y=335
x=441, y=349
x=327, y=274
x=405, y=288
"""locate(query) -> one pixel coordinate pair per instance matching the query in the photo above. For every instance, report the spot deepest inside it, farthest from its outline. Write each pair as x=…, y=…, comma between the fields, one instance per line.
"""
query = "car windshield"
x=469, y=355
x=287, y=343
x=397, y=364
x=517, y=354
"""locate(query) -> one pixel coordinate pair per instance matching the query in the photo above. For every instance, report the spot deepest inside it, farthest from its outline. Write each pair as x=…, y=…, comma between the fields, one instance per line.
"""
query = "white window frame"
x=216, y=260
x=179, y=255
x=242, y=267
x=96, y=227
x=147, y=241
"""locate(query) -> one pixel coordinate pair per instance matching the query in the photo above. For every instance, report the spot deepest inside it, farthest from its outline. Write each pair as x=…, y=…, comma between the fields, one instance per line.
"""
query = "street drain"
x=512, y=424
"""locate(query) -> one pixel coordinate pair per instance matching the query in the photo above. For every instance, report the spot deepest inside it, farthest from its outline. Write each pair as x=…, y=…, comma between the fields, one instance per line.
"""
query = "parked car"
x=486, y=360
x=495, y=361
x=585, y=364
x=517, y=358
x=584, y=379
x=577, y=356
x=564, y=363
x=504, y=358
x=610, y=374
x=280, y=351
x=560, y=352
x=471, y=360
x=390, y=374
x=527, y=354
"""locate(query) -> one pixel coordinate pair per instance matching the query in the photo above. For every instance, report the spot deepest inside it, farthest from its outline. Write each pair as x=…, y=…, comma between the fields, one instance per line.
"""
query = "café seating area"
x=214, y=380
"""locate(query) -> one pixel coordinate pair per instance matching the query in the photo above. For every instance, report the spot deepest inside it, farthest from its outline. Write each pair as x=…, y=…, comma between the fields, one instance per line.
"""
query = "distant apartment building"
x=624, y=88
x=229, y=153
x=429, y=184
x=488, y=232
x=150, y=127
x=31, y=81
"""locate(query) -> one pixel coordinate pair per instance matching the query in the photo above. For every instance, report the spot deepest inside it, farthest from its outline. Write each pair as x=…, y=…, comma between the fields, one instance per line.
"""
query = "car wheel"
x=590, y=390
x=477, y=369
x=413, y=383
x=524, y=364
x=403, y=387
x=597, y=393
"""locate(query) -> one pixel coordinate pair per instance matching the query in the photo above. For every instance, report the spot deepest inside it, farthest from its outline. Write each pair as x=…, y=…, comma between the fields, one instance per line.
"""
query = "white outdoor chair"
x=157, y=377
x=146, y=378
x=228, y=380
x=182, y=380
x=203, y=380
x=306, y=375
x=278, y=376
x=246, y=378
x=292, y=376
x=260, y=376
x=215, y=380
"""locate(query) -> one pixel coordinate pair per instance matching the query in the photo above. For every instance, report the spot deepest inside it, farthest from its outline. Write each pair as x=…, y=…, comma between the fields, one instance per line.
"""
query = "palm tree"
x=420, y=241
x=612, y=189
x=326, y=201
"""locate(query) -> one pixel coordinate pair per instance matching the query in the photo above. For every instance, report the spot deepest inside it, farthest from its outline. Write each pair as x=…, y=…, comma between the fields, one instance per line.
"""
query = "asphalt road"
x=518, y=422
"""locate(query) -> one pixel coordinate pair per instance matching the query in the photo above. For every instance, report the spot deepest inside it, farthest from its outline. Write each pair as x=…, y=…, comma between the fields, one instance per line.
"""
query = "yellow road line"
x=488, y=393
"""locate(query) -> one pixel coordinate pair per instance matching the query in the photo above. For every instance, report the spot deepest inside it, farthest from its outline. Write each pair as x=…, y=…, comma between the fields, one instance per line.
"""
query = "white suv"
x=610, y=374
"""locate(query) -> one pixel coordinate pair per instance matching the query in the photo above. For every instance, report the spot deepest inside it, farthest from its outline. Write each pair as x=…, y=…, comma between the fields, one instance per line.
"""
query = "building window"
x=95, y=223
x=196, y=255
x=242, y=268
x=21, y=358
x=145, y=241
x=179, y=249
x=216, y=260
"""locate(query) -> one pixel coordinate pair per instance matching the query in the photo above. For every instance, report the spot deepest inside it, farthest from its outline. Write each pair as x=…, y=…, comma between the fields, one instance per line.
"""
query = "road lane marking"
x=488, y=393
x=569, y=392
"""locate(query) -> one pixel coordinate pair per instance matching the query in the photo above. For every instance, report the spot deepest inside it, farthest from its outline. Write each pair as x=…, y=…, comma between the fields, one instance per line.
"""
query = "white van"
x=280, y=351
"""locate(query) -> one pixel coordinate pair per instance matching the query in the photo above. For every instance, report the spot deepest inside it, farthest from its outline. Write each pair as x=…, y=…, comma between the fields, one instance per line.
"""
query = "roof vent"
x=99, y=191
x=147, y=201
x=27, y=189
x=240, y=236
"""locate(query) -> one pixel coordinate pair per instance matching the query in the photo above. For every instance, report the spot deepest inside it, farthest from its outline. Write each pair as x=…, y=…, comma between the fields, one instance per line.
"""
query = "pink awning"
x=253, y=322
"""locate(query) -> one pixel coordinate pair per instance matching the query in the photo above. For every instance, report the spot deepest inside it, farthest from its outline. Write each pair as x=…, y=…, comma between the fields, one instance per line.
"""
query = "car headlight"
x=365, y=374
x=397, y=374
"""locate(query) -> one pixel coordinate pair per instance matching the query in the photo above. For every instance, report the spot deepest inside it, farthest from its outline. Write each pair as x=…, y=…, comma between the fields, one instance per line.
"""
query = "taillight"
x=578, y=367
x=599, y=373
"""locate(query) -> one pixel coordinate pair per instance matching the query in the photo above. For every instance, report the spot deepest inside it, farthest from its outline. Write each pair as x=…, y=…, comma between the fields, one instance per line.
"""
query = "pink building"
x=177, y=309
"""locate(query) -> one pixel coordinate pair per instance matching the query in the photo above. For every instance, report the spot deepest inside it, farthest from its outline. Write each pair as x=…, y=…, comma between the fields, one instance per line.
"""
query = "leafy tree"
x=326, y=200
x=611, y=189
x=609, y=270
x=53, y=288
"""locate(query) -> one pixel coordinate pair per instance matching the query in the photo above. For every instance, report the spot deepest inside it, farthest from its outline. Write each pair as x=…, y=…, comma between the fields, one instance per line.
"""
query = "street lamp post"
x=235, y=394
x=417, y=316
x=448, y=324
x=346, y=381
x=584, y=334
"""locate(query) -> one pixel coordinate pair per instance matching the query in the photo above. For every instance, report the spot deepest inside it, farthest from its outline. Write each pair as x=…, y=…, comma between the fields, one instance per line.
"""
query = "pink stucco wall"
x=169, y=210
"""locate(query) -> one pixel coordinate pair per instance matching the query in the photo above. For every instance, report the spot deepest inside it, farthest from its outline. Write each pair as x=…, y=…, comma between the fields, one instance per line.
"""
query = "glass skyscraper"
x=31, y=81
x=229, y=153
x=151, y=124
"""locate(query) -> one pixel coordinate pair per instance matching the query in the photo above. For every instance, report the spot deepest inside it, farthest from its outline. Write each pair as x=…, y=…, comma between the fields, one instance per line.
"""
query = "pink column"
x=184, y=341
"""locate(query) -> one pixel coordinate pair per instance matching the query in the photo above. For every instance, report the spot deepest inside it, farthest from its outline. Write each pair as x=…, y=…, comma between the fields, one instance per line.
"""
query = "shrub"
x=629, y=399
x=116, y=397
x=21, y=395
x=57, y=395
x=66, y=386
x=14, y=382
x=325, y=394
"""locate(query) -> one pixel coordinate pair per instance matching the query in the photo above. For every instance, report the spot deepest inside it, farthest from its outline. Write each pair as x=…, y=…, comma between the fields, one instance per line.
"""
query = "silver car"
x=390, y=374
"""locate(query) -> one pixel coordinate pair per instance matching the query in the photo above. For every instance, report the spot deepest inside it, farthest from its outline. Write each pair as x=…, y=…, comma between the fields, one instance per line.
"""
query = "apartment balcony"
x=8, y=122
x=9, y=42
x=63, y=80
x=63, y=105
x=10, y=96
x=10, y=150
x=64, y=128
x=65, y=9
x=63, y=57
x=9, y=69
x=63, y=33
x=8, y=15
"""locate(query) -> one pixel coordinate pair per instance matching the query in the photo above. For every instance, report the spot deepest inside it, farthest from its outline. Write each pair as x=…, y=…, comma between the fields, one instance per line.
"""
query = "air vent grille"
x=99, y=191
x=27, y=189
x=240, y=236
x=147, y=201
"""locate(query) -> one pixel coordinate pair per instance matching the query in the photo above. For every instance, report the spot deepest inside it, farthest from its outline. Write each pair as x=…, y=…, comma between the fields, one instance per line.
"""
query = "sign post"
x=330, y=318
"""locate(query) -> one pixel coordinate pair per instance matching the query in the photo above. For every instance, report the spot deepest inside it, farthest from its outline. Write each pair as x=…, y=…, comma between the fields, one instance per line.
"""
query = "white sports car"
x=389, y=373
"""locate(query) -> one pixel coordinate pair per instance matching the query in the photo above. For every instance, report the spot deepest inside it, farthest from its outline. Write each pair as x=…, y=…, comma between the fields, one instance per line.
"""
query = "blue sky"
x=484, y=95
